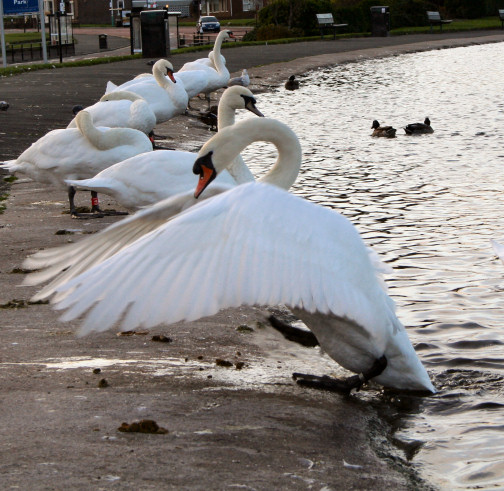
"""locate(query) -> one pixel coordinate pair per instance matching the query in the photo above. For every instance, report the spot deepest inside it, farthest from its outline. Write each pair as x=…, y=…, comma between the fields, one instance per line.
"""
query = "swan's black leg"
x=343, y=386
x=95, y=207
x=300, y=336
x=73, y=211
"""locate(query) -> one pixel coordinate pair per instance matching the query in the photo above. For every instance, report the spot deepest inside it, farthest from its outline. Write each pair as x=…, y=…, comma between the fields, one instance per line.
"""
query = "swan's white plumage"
x=254, y=244
x=121, y=109
x=148, y=178
x=216, y=71
x=165, y=98
x=78, y=153
x=70, y=262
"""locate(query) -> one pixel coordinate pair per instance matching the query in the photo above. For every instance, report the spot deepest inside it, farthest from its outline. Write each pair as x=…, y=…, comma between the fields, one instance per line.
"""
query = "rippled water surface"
x=429, y=205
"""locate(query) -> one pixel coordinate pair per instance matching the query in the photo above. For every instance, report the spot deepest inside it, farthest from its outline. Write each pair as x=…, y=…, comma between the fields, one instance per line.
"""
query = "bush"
x=265, y=33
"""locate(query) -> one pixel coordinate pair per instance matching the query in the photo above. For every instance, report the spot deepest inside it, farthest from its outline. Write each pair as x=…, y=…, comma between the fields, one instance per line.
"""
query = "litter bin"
x=102, y=39
x=380, y=21
x=155, y=33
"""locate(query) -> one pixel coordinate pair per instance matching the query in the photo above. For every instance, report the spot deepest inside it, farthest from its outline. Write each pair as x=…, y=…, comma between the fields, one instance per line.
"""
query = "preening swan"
x=165, y=97
x=253, y=245
x=218, y=75
x=148, y=178
x=78, y=153
x=121, y=109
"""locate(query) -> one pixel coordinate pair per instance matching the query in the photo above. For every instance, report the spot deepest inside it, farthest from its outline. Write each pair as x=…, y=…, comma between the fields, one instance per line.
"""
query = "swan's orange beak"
x=169, y=73
x=206, y=170
x=231, y=35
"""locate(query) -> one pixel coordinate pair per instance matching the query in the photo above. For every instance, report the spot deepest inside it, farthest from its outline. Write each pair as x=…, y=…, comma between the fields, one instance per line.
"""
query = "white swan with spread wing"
x=253, y=245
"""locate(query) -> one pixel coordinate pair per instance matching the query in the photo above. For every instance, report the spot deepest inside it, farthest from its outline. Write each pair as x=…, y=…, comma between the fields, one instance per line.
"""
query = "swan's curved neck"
x=238, y=168
x=160, y=77
x=102, y=140
x=229, y=142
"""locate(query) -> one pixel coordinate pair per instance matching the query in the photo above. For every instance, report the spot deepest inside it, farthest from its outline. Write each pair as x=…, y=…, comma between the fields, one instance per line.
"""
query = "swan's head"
x=227, y=34
x=219, y=152
x=238, y=97
x=375, y=125
x=165, y=68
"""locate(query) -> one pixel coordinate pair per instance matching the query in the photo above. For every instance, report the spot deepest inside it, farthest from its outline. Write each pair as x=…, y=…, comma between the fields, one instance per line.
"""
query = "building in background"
x=114, y=12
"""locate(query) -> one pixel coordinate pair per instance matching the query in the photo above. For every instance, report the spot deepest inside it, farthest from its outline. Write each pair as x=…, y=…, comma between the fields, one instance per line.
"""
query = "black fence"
x=20, y=52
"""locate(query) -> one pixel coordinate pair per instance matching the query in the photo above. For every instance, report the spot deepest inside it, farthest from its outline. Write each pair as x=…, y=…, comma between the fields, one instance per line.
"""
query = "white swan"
x=166, y=98
x=78, y=153
x=148, y=178
x=78, y=258
x=217, y=75
x=216, y=51
x=253, y=245
x=121, y=109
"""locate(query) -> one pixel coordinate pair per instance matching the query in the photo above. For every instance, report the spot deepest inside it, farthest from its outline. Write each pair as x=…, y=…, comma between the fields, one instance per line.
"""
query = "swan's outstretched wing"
x=60, y=264
x=255, y=244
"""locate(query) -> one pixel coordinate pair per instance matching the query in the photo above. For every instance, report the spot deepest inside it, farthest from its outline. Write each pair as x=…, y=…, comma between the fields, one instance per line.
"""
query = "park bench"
x=435, y=20
x=501, y=17
x=326, y=21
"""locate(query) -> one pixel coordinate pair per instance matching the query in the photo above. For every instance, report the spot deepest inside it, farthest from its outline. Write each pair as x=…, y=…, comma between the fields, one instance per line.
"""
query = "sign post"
x=21, y=7
x=2, y=35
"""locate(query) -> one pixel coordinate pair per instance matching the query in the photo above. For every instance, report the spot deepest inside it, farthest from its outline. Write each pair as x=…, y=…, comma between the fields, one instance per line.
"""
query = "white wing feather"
x=255, y=244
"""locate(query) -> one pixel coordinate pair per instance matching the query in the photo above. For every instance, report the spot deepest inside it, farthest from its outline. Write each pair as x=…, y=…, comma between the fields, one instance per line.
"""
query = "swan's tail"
x=9, y=165
x=101, y=185
x=110, y=87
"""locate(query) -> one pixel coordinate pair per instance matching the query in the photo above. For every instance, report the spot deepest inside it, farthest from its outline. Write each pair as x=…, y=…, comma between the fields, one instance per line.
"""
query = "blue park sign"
x=14, y=7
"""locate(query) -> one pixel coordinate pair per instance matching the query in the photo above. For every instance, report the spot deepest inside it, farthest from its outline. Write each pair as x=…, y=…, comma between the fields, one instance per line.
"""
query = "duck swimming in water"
x=419, y=128
x=383, y=131
x=292, y=83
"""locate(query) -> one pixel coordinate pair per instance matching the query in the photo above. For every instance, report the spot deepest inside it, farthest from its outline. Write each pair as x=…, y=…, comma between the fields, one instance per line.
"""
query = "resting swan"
x=148, y=178
x=62, y=264
x=255, y=244
x=121, y=109
x=78, y=153
x=217, y=75
x=165, y=97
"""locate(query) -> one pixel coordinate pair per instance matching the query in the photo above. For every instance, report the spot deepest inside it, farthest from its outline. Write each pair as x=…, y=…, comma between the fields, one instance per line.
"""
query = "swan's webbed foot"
x=300, y=336
x=344, y=386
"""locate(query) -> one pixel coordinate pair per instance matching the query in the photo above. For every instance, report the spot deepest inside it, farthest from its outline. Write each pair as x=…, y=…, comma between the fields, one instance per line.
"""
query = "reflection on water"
x=429, y=205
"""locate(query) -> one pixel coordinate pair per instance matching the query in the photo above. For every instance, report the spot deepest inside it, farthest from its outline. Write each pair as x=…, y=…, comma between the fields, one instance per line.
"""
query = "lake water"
x=429, y=205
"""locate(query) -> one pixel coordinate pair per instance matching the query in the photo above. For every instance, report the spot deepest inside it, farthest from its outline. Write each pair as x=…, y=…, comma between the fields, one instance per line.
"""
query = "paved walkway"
x=251, y=428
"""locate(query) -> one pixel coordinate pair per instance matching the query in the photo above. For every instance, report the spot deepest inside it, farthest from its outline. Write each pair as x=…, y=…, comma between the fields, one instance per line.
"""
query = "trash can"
x=155, y=33
x=380, y=21
x=102, y=40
